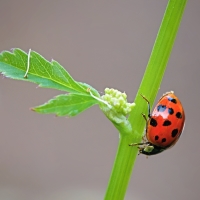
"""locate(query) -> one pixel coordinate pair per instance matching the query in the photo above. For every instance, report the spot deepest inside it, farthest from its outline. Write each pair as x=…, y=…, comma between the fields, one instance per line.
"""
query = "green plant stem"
x=125, y=157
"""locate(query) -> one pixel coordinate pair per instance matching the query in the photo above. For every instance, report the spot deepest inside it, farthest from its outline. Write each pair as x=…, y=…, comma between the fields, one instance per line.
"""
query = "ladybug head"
x=151, y=149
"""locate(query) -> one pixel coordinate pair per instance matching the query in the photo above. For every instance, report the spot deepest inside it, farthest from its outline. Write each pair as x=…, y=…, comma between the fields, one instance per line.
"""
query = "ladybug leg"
x=139, y=148
x=149, y=109
x=144, y=139
x=137, y=144
x=143, y=115
x=145, y=142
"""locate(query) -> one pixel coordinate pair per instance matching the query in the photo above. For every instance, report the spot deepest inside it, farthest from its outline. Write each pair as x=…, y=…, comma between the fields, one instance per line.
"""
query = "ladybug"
x=164, y=126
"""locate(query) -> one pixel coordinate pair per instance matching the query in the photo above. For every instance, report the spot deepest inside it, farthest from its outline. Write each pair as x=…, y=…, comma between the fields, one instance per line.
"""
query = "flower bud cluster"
x=118, y=101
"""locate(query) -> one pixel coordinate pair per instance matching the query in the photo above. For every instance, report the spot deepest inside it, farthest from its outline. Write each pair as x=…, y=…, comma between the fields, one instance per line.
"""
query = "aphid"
x=164, y=126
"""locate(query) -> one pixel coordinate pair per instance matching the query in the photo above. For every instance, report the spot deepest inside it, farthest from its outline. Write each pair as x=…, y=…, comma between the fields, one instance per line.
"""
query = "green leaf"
x=67, y=104
x=46, y=74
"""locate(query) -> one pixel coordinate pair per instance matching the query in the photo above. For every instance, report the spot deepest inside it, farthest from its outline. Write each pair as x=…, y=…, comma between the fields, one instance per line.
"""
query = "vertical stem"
x=149, y=87
x=122, y=169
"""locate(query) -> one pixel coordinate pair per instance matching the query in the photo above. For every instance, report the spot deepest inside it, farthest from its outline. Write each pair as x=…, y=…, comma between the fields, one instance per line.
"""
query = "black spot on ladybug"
x=153, y=122
x=178, y=115
x=156, y=137
x=174, y=132
x=161, y=108
x=172, y=100
x=170, y=111
x=163, y=140
x=167, y=123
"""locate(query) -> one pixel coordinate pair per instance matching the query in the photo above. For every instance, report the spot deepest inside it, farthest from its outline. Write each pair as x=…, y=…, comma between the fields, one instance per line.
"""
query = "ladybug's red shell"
x=166, y=123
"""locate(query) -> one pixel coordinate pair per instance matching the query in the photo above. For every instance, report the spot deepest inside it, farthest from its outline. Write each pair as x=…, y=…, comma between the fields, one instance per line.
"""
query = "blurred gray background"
x=105, y=44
